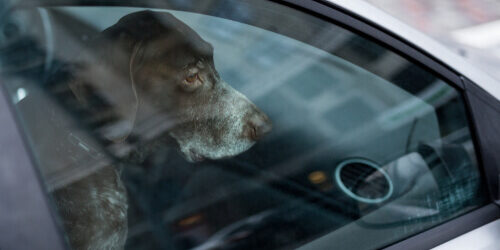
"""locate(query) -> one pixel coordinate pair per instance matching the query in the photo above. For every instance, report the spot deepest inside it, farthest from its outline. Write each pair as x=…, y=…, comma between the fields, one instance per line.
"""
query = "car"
x=381, y=137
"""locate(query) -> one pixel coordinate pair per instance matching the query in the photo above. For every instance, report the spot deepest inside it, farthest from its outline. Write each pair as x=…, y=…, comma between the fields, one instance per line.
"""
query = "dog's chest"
x=94, y=210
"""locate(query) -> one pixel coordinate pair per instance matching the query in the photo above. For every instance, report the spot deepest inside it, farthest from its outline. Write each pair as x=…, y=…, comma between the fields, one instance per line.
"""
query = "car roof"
x=423, y=42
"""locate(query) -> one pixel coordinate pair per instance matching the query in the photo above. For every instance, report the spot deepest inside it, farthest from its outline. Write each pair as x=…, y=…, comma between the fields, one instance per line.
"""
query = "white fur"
x=228, y=112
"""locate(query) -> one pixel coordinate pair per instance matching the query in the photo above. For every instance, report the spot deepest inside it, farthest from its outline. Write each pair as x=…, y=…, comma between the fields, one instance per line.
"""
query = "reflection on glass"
x=363, y=142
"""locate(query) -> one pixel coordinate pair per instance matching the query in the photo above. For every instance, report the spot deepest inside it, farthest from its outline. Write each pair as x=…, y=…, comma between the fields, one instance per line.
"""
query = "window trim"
x=35, y=225
x=449, y=230
x=485, y=110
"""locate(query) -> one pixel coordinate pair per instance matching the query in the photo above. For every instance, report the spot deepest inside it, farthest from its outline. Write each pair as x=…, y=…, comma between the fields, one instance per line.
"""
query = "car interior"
x=364, y=141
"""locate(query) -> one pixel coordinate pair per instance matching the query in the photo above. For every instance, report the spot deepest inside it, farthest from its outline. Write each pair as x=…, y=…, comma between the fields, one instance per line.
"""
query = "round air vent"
x=363, y=180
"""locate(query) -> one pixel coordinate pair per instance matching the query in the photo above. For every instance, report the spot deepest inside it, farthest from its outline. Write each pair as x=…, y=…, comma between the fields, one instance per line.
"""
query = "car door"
x=375, y=143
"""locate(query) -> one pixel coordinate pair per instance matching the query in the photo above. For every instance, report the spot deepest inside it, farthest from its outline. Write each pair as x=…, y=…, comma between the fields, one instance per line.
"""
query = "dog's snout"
x=258, y=125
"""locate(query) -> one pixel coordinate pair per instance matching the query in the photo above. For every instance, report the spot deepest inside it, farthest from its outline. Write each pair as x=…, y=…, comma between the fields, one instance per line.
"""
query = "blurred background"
x=469, y=27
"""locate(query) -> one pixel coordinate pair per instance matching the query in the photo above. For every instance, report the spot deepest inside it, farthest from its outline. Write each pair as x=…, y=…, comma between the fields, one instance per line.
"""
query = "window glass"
x=232, y=125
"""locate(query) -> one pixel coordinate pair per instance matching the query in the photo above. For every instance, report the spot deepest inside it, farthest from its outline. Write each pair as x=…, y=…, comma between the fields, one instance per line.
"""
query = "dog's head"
x=170, y=71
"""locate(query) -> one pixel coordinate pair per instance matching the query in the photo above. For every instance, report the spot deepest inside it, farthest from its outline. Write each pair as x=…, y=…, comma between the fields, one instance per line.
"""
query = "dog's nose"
x=258, y=125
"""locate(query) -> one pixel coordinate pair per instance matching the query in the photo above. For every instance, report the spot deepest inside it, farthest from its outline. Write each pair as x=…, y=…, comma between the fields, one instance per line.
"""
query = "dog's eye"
x=192, y=78
x=192, y=82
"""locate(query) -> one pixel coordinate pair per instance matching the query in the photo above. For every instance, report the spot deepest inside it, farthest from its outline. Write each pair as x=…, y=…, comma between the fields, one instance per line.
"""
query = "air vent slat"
x=363, y=180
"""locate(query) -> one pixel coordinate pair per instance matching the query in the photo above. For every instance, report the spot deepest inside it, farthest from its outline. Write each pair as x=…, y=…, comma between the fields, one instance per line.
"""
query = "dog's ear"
x=109, y=65
x=122, y=47
x=113, y=59
x=133, y=61
x=124, y=57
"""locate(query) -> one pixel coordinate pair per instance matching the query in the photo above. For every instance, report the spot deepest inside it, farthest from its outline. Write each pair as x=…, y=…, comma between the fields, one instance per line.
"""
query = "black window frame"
x=24, y=169
x=27, y=216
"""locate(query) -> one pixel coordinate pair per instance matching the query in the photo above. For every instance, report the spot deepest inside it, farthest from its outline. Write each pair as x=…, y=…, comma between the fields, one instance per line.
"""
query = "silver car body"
x=423, y=42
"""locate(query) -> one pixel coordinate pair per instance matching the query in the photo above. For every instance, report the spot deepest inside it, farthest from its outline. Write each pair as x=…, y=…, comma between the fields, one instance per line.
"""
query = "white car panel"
x=423, y=42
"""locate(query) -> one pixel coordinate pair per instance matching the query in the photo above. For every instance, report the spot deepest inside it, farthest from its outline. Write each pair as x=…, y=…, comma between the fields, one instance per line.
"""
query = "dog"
x=150, y=65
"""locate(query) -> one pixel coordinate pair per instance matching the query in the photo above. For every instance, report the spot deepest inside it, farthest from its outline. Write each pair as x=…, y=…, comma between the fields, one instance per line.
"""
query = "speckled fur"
x=94, y=211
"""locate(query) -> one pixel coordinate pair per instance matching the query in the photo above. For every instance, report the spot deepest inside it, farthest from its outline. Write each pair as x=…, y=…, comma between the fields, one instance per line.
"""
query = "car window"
x=233, y=125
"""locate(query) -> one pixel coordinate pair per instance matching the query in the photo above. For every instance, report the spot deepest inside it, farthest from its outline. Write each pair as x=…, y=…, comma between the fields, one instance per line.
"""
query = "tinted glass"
x=233, y=125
